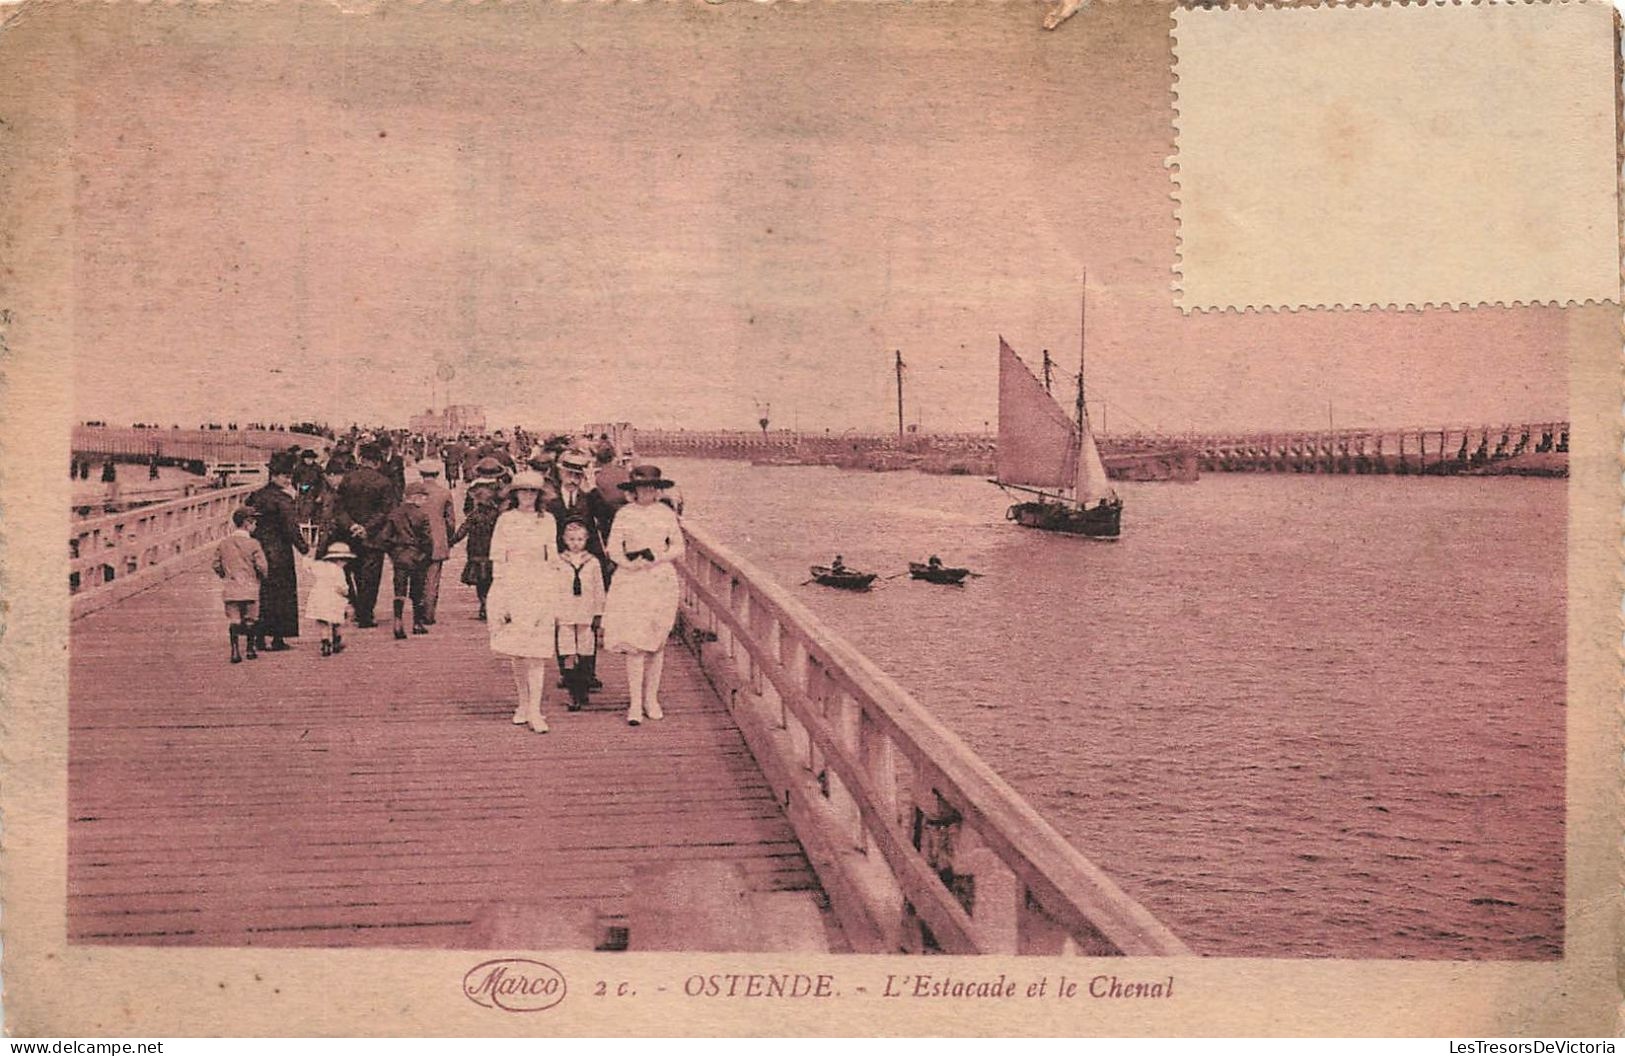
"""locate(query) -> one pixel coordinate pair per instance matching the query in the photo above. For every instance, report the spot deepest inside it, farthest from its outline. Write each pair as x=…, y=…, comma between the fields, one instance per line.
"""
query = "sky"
x=679, y=214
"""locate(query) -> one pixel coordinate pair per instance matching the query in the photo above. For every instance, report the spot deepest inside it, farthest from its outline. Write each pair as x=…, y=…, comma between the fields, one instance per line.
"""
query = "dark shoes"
x=327, y=647
x=418, y=628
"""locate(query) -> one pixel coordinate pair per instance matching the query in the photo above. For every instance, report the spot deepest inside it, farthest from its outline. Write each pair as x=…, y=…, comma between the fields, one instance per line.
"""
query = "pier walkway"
x=794, y=798
x=383, y=797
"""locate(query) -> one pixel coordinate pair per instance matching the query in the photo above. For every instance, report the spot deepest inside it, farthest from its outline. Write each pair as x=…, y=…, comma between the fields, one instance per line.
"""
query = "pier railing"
x=115, y=555
x=920, y=846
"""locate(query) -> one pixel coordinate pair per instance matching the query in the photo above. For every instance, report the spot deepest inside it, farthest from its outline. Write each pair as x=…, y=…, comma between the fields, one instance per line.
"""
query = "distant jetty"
x=1528, y=450
x=954, y=454
x=1536, y=449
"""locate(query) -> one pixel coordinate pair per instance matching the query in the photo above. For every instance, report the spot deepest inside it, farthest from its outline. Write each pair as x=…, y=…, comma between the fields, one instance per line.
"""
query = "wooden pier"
x=1531, y=449
x=1534, y=449
x=793, y=799
x=968, y=454
x=182, y=447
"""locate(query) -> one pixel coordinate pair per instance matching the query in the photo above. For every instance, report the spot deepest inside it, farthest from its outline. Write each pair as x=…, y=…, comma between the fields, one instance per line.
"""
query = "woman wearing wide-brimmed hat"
x=645, y=543
x=521, y=605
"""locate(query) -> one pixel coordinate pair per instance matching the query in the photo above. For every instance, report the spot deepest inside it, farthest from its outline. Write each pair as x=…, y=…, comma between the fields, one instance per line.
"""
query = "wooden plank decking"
x=383, y=798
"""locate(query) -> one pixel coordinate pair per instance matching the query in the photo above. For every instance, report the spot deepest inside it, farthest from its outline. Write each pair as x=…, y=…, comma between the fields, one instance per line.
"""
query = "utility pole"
x=899, y=394
x=1046, y=370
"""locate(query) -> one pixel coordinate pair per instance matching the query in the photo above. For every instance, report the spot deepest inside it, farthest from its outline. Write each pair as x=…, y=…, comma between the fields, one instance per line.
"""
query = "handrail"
x=969, y=866
x=118, y=554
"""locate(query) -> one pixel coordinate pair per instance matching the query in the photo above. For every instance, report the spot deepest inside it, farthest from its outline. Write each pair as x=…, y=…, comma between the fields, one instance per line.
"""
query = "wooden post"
x=845, y=720
x=817, y=682
x=800, y=668
x=935, y=829
x=1036, y=931
x=899, y=396
x=879, y=758
x=997, y=895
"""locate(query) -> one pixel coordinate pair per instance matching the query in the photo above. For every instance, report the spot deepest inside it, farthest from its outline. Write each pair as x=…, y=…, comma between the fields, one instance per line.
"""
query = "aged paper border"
x=53, y=988
x=1304, y=204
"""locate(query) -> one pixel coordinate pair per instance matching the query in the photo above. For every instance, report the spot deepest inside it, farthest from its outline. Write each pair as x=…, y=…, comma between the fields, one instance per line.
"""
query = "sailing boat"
x=1045, y=452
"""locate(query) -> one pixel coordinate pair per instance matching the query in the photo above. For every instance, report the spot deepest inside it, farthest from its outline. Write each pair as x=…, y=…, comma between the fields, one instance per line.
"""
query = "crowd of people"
x=570, y=551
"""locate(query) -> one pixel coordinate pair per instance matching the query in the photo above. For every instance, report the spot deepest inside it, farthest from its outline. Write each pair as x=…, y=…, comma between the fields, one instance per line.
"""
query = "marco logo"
x=514, y=984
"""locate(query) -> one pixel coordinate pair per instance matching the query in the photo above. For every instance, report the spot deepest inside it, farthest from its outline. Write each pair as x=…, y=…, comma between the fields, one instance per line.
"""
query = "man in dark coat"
x=608, y=477
x=392, y=465
x=277, y=532
x=575, y=499
x=366, y=498
x=308, y=485
x=409, y=538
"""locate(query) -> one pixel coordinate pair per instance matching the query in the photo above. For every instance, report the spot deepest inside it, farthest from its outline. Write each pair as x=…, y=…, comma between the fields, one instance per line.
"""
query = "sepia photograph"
x=773, y=479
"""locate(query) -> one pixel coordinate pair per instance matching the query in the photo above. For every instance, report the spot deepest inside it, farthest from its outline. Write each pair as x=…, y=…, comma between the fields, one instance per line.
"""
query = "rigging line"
x=1099, y=395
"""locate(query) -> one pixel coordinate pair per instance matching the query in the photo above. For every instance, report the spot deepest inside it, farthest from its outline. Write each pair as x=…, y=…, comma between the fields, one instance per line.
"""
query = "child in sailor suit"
x=581, y=609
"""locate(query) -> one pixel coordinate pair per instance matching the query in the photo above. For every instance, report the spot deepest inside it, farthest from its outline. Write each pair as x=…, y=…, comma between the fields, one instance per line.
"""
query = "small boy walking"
x=581, y=612
x=240, y=562
x=410, y=543
x=330, y=595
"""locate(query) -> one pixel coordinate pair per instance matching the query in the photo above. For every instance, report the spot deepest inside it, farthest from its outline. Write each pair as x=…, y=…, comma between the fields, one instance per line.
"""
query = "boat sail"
x=1045, y=451
x=1037, y=440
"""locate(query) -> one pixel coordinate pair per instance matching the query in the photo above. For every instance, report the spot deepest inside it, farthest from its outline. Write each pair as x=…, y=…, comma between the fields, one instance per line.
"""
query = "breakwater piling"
x=1534, y=449
x=969, y=454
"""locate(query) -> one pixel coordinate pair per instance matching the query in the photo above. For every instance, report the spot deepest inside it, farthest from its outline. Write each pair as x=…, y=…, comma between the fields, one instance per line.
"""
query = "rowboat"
x=843, y=578
x=937, y=573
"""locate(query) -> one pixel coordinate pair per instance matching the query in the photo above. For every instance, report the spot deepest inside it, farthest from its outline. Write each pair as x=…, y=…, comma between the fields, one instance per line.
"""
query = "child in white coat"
x=330, y=595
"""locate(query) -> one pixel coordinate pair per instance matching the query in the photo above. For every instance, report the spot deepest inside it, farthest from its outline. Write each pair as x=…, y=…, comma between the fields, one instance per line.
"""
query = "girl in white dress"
x=645, y=543
x=522, y=603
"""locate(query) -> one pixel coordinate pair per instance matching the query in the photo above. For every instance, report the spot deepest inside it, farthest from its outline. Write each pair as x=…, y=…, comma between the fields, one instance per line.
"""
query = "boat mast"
x=899, y=394
x=1083, y=318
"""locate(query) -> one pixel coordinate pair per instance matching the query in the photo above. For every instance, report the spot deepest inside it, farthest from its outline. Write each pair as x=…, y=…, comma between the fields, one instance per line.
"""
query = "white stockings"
x=530, y=681
x=643, y=685
x=651, y=684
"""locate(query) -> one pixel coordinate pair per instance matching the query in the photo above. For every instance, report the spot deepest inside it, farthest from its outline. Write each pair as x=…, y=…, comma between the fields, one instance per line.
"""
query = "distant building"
x=458, y=418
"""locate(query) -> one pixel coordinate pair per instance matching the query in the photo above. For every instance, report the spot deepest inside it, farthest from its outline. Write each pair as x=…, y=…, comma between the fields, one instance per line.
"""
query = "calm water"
x=1295, y=716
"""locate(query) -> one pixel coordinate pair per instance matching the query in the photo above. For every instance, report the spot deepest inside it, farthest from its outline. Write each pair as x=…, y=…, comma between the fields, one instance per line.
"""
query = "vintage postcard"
x=810, y=518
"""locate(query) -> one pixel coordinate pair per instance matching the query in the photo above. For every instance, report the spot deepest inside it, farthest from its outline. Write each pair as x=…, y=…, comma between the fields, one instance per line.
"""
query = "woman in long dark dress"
x=278, y=535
